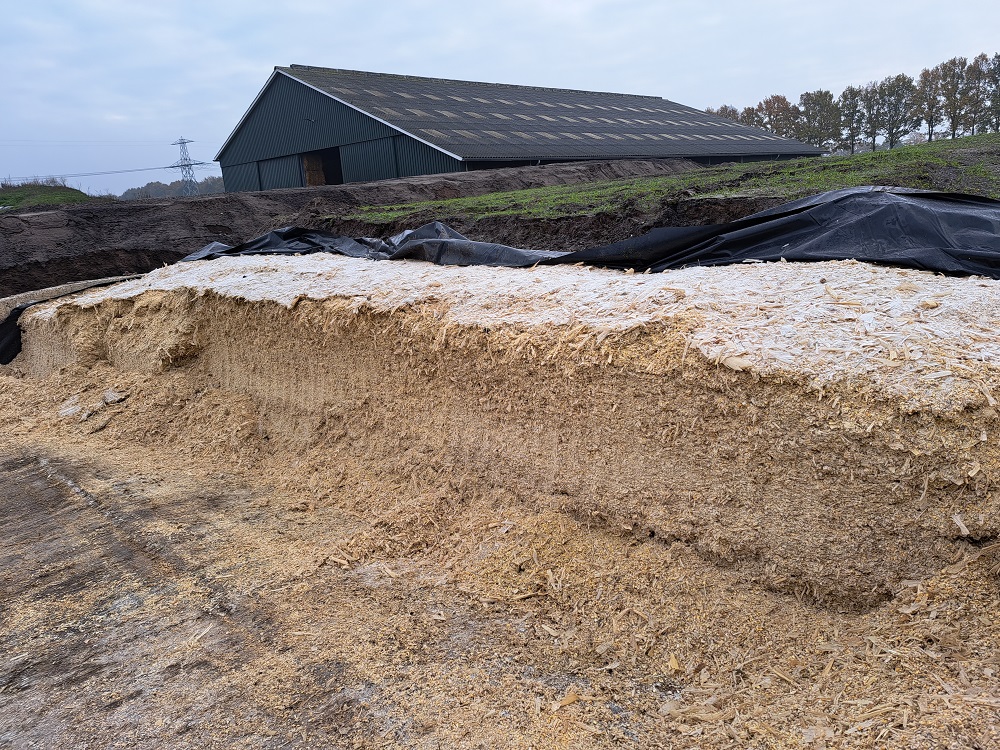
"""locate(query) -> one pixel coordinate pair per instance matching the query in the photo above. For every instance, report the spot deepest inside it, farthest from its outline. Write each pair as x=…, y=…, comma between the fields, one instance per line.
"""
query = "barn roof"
x=485, y=121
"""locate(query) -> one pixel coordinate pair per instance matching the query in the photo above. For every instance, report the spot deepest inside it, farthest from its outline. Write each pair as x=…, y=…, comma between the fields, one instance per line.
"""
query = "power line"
x=19, y=142
x=196, y=165
x=84, y=174
x=186, y=164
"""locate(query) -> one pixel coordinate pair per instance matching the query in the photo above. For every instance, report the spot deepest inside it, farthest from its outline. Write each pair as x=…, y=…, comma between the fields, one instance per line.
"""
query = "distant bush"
x=175, y=189
x=7, y=182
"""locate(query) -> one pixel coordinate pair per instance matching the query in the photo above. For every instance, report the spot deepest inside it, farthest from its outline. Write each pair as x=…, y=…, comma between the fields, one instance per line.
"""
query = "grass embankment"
x=969, y=165
x=29, y=194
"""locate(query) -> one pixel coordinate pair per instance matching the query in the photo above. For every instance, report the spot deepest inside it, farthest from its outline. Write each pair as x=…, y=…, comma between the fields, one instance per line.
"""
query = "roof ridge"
x=295, y=66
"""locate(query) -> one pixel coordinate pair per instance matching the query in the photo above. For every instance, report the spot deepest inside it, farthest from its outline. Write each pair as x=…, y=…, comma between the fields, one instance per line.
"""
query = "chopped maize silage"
x=828, y=429
x=585, y=477
x=907, y=333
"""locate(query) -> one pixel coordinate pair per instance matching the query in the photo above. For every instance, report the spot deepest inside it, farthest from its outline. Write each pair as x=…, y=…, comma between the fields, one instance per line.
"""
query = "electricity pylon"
x=189, y=185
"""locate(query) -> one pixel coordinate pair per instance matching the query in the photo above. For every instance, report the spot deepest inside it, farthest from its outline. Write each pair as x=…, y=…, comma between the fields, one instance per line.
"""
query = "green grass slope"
x=968, y=165
x=31, y=194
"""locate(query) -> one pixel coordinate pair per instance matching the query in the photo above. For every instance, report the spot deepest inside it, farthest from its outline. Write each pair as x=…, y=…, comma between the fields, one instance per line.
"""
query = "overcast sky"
x=101, y=85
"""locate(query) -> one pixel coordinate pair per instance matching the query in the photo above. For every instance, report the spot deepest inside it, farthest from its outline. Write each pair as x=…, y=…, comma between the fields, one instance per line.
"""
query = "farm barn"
x=319, y=126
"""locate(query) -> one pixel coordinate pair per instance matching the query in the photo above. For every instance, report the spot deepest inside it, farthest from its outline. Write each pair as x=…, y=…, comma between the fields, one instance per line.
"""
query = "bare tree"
x=726, y=110
x=750, y=116
x=993, y=86
x=851, y=118
x=927, y=100
x=819, y=121
x=779, y=115
x=952, y=75
x=895, y=95
x=976, y=93
x=871, y=113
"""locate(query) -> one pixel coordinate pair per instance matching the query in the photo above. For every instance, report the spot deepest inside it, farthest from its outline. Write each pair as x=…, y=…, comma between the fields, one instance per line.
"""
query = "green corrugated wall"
x=290, y=119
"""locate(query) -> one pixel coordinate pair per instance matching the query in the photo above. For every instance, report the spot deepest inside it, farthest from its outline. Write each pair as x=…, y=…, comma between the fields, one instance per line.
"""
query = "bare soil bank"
x=40, y=249
x=563, y=233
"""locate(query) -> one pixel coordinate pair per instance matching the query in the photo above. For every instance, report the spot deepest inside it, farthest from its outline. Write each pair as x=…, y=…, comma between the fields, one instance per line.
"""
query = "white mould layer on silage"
x=914, y=333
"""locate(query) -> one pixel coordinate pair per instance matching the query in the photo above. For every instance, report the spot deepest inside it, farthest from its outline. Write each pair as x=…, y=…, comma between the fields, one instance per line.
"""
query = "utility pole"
x=186, y=165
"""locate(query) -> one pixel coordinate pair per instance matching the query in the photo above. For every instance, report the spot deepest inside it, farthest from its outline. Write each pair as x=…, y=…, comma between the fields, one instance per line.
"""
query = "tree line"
x=958, y=97
x=174, y=189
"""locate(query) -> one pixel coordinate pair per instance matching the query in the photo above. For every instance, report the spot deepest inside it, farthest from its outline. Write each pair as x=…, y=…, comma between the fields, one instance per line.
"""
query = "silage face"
x=656, y=469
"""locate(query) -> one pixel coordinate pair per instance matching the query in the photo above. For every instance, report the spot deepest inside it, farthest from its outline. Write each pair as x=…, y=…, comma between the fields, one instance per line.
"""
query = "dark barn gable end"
x=320, y=126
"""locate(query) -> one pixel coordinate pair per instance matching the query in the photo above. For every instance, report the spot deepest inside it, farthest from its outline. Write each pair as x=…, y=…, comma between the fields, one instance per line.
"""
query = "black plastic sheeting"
x=945, y=232
x=10, y=333
x=948, y=233
x=434, y=242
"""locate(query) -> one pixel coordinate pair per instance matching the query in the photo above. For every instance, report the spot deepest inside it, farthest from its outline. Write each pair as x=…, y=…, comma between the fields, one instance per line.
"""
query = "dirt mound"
x=578, y=508
x=40, y=249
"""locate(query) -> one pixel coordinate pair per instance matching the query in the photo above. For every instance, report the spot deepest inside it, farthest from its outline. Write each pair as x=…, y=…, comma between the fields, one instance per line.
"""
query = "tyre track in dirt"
x=116, y=618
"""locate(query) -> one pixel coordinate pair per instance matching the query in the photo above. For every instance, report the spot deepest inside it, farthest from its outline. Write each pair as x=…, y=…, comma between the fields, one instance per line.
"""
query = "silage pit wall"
x=836, y=498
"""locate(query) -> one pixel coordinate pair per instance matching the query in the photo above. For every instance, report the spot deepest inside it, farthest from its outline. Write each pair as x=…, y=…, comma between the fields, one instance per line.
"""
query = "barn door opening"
x=323, y=167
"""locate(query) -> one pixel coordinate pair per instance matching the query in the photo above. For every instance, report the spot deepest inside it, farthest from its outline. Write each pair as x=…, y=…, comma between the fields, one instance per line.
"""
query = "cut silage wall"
x=835, y=496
